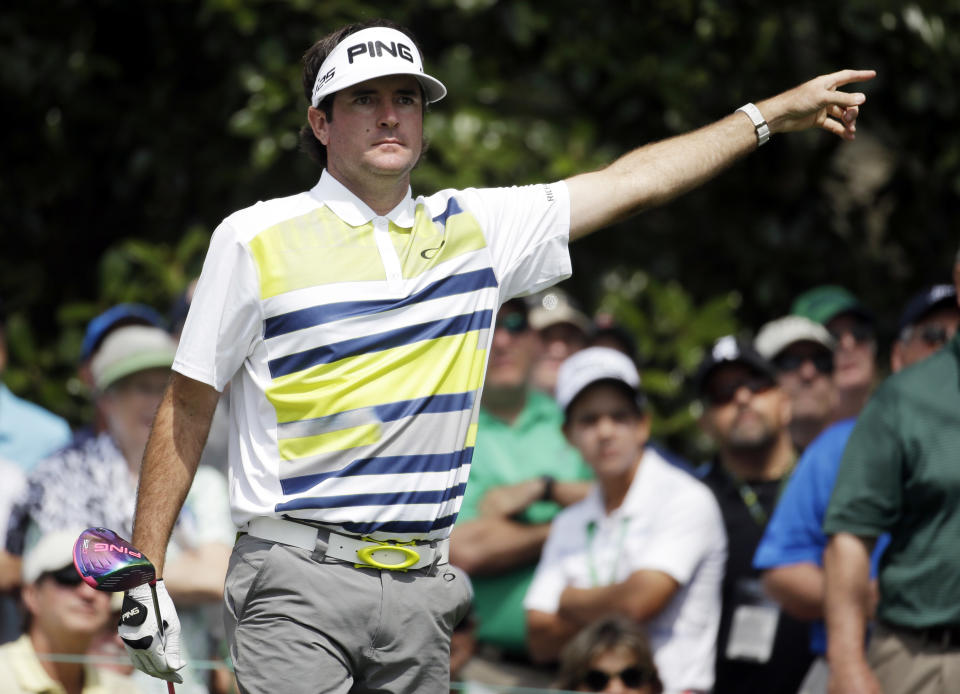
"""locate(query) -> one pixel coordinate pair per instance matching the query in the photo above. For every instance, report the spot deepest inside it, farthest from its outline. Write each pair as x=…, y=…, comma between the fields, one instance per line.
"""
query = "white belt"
x=395, y=556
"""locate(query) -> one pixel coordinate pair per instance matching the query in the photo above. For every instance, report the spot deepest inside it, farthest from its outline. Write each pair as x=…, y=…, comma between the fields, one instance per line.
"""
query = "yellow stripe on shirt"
x=444, y=365
x=314, y=249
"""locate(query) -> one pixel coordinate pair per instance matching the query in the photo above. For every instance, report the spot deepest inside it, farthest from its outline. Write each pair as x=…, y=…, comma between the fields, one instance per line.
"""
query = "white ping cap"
x=369, y=53
x=586, y=367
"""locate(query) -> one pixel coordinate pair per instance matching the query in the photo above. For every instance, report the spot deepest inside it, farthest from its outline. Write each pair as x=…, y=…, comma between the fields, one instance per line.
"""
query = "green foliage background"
x=133, y=128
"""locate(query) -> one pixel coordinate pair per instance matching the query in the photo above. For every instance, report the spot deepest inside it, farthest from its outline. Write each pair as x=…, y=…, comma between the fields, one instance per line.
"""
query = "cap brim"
x=138, y=362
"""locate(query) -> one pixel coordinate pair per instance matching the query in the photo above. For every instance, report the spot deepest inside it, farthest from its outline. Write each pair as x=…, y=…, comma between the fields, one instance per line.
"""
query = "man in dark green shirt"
x=900, y=473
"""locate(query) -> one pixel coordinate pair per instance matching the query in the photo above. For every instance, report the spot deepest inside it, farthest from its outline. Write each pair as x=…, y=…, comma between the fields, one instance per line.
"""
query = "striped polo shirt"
x=355, y=346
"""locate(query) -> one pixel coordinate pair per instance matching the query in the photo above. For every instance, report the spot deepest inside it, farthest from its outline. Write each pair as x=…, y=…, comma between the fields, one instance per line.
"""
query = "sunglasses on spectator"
x=724, y=392
x=633, y=677
x=932, y=335
x=823, y=362
x=513, y=323
x=68, y=577
x=860, y=332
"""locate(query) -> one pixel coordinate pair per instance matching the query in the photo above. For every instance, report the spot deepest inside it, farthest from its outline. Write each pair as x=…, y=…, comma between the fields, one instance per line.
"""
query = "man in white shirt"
x=353, y=323
x=648, y=542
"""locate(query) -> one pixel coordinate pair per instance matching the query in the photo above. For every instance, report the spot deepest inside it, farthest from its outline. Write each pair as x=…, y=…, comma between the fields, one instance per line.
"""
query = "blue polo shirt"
x=794, y=534
x=28, y=433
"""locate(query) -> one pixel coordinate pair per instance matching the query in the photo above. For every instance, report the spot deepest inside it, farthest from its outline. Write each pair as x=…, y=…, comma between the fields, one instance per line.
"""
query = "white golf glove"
x=155, y=655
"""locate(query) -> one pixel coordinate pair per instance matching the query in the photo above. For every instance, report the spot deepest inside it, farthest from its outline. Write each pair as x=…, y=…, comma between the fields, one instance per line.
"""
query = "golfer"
x=352, y=323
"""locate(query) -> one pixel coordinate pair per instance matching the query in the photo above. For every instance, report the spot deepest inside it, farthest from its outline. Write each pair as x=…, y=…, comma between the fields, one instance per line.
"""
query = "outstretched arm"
x=170, y=462
x=656, y=173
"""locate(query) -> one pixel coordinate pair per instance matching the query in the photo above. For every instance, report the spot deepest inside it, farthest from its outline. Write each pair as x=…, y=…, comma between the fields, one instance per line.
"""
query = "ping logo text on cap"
x=376, y=49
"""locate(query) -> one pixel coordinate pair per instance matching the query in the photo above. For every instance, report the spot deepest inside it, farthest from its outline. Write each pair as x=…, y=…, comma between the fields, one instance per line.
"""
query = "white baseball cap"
x=777, y=335
x=52, y=552
x=586, y=367
x=130, y=349
x=370, y=53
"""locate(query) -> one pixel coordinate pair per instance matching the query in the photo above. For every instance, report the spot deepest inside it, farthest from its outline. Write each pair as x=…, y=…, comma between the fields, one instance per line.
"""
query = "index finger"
x=842, y=77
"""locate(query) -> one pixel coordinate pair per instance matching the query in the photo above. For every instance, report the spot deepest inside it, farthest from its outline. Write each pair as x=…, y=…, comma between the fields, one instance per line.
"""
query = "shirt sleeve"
x=225, y=314
x=527, y=229
x=867, y=497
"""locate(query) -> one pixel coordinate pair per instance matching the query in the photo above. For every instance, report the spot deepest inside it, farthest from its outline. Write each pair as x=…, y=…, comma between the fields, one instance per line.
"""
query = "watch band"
x=759, y=123
x=548, y=483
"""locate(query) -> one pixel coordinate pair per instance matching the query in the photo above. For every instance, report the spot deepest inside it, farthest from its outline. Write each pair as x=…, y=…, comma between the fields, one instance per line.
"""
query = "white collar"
x=354, y=211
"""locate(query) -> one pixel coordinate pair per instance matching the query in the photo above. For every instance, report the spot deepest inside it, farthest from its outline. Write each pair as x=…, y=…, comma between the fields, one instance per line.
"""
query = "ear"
x=644, y=424
x=319, y=124
x=896, y=356
x=28, y=594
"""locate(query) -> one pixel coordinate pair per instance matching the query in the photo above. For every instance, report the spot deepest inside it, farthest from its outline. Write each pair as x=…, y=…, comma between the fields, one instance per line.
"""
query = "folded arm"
x=798, y=588
x=641, y=596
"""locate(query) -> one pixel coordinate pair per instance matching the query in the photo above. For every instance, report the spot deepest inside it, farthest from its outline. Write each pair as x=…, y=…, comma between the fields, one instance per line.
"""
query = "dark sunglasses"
x=513, y=323
x=822, y=361
x=861, y=333
x=933, y=335
x=723, y=393
x=633, y=677
x=68, y=577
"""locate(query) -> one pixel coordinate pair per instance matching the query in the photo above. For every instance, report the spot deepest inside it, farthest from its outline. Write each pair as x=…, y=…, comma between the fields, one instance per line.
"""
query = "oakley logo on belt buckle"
x=402, y=555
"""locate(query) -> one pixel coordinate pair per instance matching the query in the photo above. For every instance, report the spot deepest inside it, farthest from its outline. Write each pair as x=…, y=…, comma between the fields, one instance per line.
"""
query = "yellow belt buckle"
x=405, y=548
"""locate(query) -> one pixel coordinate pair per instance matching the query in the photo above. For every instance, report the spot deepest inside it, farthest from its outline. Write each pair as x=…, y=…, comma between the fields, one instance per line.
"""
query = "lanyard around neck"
x=750, y=498
x=591, y=533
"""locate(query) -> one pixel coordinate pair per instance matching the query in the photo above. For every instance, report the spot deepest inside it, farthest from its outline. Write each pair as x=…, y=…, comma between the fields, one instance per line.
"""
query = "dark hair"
x=313, y=60
x=602, y=636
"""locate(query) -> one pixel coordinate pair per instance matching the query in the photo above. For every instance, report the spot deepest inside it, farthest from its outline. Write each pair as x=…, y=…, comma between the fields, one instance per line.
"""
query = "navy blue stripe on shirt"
x=399, y=527
x=407, y=498
x=318, y=315
x=379, y=342
x=453, y=207
x=433, y=404
x=383, y=465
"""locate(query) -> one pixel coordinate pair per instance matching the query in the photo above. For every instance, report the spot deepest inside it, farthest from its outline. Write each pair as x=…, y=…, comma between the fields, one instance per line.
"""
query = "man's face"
x=515, y=348
x=745, y=410
x=805, y=373
x=604, y=425
x=66, y=609
x=129, y=406
x=376, y=130
x=854, y=359
x=925, y=337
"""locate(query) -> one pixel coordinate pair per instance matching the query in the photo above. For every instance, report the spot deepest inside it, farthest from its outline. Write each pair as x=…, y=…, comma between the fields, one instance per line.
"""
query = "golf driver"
x=107, y=562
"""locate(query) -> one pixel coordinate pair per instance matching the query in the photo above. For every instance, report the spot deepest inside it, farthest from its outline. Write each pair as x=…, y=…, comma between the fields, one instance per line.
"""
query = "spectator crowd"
x=599, y=561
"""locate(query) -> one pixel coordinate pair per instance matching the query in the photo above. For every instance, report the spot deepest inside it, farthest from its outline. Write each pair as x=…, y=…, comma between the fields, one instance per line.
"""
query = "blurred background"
x=132, y=128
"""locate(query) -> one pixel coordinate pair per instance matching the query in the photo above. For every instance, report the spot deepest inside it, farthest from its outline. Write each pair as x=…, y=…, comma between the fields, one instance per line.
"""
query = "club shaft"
x=156, y=611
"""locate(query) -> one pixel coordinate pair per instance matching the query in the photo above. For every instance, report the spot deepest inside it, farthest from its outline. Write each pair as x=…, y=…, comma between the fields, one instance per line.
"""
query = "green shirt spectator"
x=900, y=474
x=506, y=454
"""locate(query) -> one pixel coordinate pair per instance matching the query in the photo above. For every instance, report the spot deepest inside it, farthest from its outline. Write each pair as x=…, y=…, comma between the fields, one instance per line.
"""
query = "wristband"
x=548, y=483
x=759, y=123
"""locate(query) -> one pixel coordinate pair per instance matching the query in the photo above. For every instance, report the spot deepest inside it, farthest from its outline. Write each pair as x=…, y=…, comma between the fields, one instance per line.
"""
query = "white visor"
x=370, y=53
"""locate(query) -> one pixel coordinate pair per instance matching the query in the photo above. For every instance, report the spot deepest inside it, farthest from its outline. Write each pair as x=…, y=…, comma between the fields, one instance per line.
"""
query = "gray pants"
x=298, y=623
